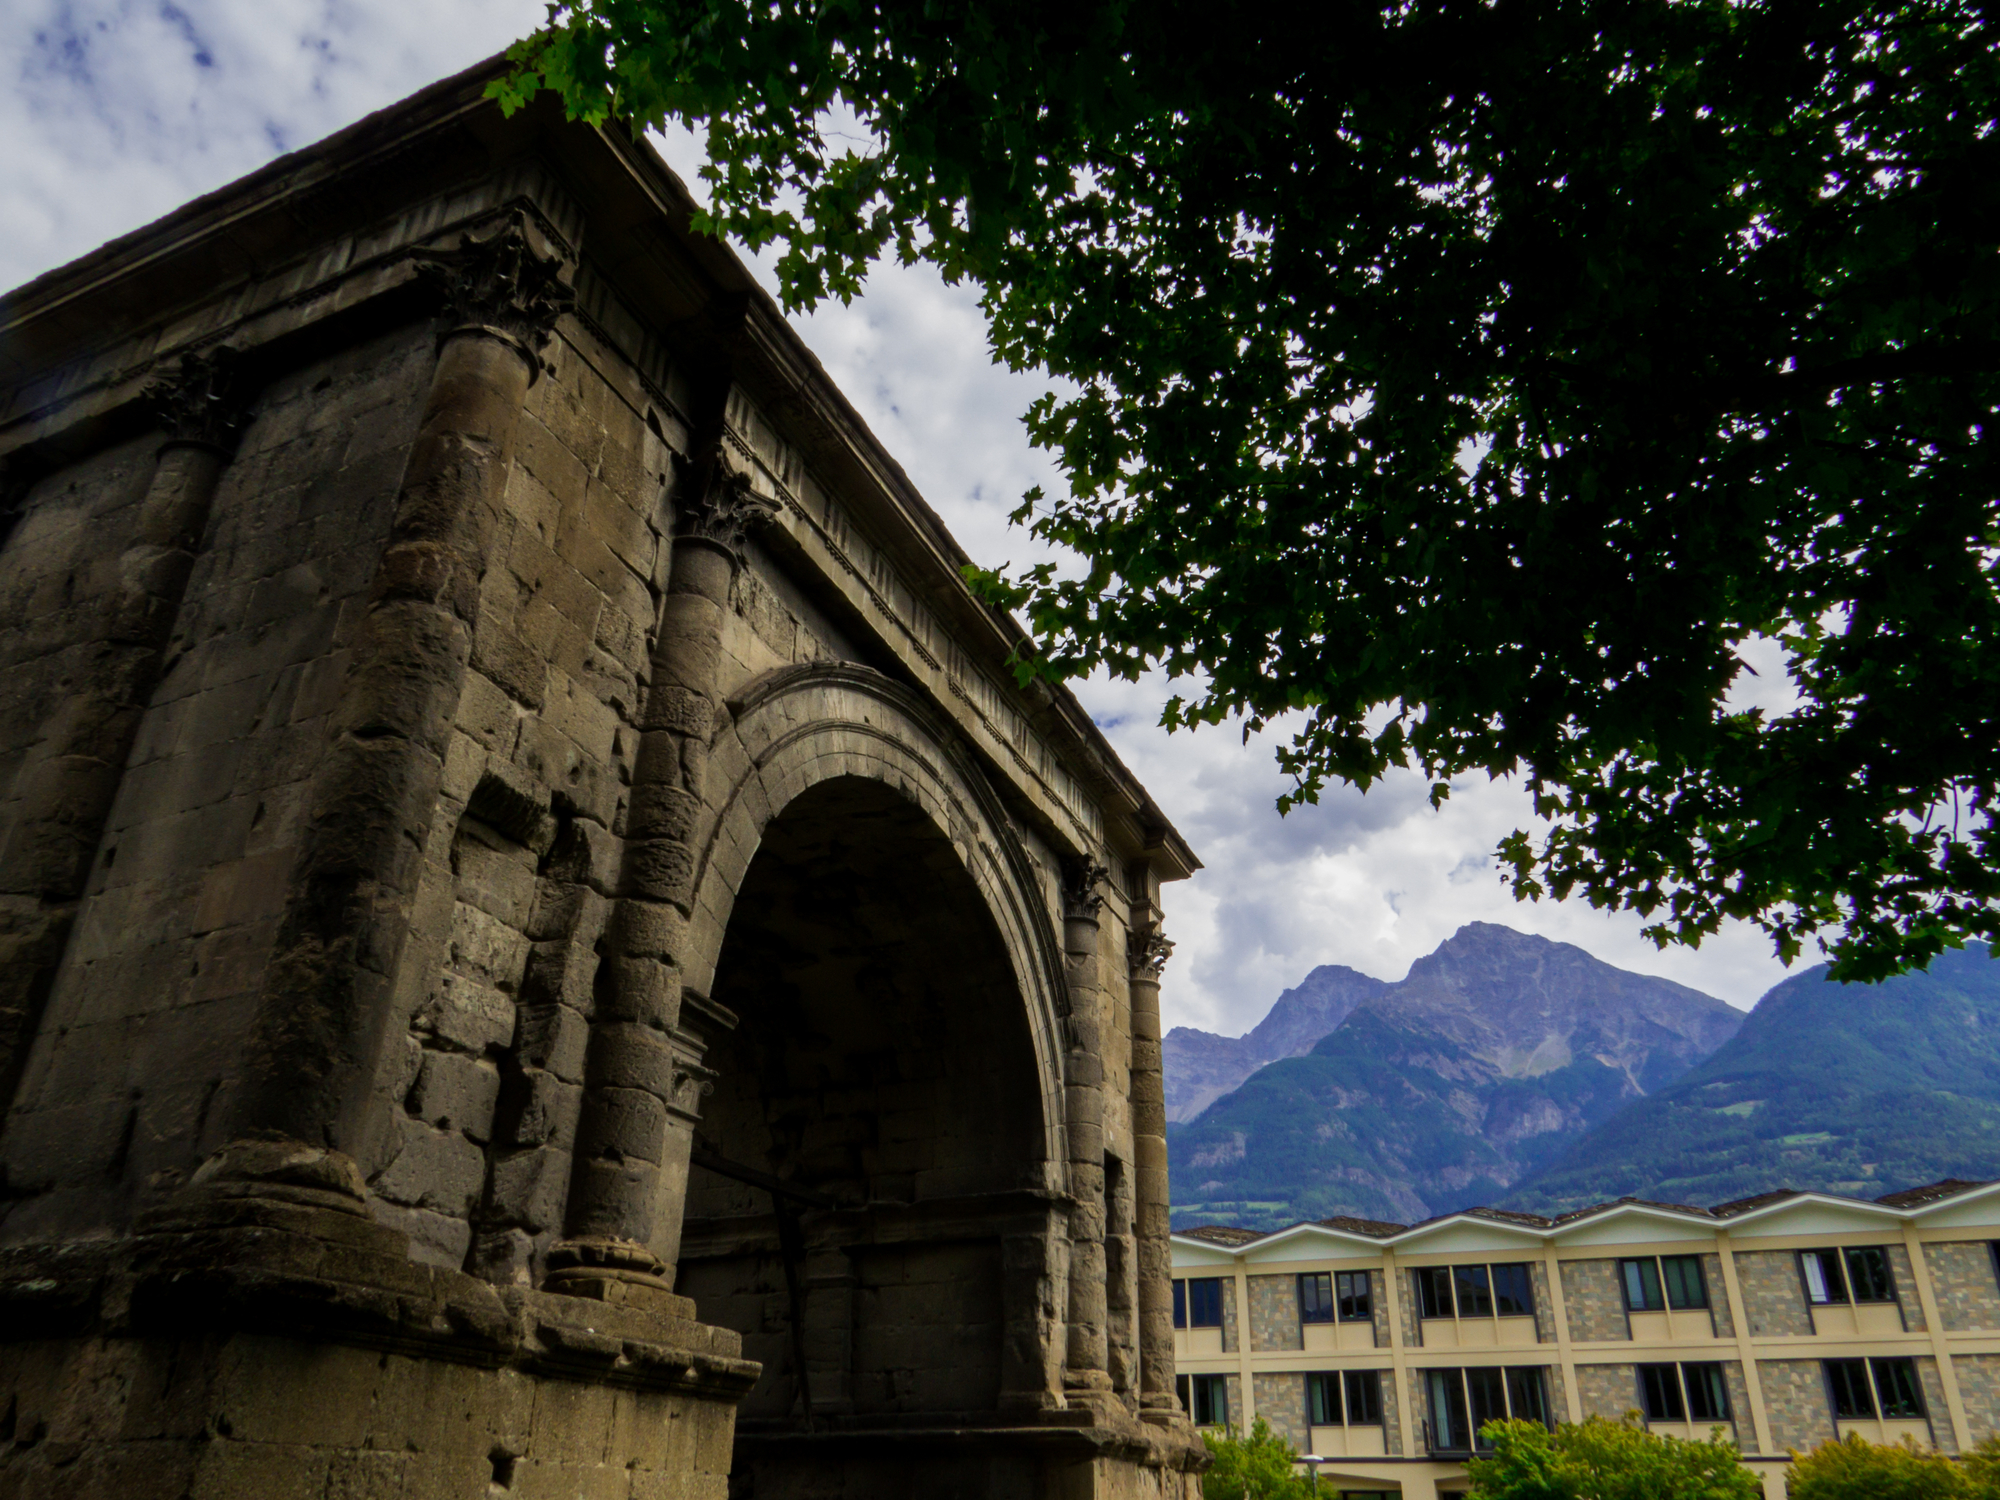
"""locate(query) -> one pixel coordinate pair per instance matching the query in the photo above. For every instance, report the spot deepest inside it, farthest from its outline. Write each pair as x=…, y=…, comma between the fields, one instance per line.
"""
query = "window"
x=1180, y=1304
x=1323, y=1401
x=1475, y=1291
x=1205, y=1398
x=1859, y=1275
x=1686, y=1288
x=1641, y=1279
x=1464, y=1401
x=1364, y=1397
x=1352, y=1291
x=1660, y=1393
x=1862, y=1388
x=1513, y=1292
x=1707, y=1393
x=1316, y=1298
x=1434, y=1292
x=1204, y=1303
x=1683, y=1393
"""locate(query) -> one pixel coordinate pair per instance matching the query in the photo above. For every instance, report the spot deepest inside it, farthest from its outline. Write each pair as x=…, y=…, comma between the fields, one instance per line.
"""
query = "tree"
x=1257, y=1467
x=1602, y=1460
x=1855, y=1469
x=1472, y=383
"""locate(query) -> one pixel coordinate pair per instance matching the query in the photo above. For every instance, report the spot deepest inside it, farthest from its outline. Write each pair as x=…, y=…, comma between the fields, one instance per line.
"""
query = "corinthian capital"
x=717, y=502
x=501, y=284
x=201, y=400
x=1148, y=952
x=1081, y=896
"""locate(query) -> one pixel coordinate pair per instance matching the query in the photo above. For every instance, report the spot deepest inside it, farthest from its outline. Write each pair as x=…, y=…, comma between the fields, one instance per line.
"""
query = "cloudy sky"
x=120, y=110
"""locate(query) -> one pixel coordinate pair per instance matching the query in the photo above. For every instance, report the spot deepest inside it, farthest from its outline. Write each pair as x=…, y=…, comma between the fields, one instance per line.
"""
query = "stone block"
x=454, y=1091
x=553, y=1036
x=529, y=1188
x=435, y=1169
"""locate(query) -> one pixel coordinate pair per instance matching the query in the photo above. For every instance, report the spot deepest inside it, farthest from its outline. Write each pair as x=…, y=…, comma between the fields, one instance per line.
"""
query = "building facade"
x=1784, y=1320
x=543, y=948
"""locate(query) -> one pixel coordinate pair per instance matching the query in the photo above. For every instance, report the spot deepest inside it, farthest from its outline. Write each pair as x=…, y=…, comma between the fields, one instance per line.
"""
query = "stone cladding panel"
x=1392, y=1413
x=1774, y=1302
x=1545, y=1311
x=1281, y=1401
x=1942, y=1432
x=1718, y=1297
x=1595, y=1305
x=1378, y=1305
x=1274, y=1315
x=1231, y=1336
x=1906, y=1289
x=1795, y=1402
x=1979, y=1388
x=1413, y=1335
x=1419, y=1410
x=1739, y=1404
x=1232, y=1386
x=1607, y=1390
x=1963, y=1280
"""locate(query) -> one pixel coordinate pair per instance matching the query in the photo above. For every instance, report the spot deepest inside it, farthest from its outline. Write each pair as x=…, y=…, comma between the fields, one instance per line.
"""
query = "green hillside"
x=1862, y=1089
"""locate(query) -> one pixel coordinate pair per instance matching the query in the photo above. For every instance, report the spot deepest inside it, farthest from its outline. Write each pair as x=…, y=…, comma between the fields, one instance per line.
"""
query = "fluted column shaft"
x=324, y=1010
x=1149, y=1131
x=1086, y=1375
x=643, y=1078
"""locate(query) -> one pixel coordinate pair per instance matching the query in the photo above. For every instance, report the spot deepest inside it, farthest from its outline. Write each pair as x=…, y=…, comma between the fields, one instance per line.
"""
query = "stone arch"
x=800, y=726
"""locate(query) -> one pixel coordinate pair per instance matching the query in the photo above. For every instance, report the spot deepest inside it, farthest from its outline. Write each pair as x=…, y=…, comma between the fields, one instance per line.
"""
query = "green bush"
x=1603, y=1460
x=1855, y=1469
x=1257, y=1467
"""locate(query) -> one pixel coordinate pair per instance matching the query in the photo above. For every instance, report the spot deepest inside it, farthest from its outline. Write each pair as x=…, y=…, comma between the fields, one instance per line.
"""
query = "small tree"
x=1257, y=1467
x=1855, y=1469
x=1603, y=1460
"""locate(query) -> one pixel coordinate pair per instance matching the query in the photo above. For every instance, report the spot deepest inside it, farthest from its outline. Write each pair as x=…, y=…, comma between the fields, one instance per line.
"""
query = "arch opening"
x=871, y=1157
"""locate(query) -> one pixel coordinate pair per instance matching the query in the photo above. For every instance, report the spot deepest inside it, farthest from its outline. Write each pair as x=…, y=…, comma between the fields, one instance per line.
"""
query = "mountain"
x=1849, y=1088
x=1201, y=1067
x=1496, y=1054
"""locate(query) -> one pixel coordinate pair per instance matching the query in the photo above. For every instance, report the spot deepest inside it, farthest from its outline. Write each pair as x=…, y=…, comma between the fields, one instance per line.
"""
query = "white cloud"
x=120, y=111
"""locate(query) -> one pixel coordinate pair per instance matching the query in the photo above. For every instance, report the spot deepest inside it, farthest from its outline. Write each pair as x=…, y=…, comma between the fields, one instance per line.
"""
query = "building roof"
x=1909, y=1203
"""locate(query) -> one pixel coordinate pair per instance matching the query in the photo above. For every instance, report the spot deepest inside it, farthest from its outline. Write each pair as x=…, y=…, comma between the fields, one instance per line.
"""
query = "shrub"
x=1603, y=1460
x=1855, y=1469
x=1257, y=1467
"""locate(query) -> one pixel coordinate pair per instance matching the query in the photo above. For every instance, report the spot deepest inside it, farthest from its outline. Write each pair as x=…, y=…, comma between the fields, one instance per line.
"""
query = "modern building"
x=1784, y=1320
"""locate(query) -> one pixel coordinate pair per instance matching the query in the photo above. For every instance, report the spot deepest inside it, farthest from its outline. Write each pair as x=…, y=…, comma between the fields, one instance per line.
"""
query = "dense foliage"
x=1863, y=1093
x=1470, y=381
x=1855, y=1469
x=1258, y=1466
x=1601, y=1460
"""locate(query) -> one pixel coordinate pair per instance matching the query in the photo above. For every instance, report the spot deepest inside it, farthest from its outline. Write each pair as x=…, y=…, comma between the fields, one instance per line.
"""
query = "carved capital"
x=717, y=502
x=1081, y=894
x=203, y=399
x=501, y=285
x=1148, y=952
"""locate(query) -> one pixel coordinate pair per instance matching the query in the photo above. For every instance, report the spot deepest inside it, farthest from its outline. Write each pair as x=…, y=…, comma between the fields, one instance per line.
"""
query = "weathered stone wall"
x=1795, y=1400
x=1719, y=1310
x=138, y=1054
x=1979, y=1387
x=1274, y=1314
x=1592, y=1298
x=1962, y=1279
x=1378, y=1308
x=1392, y=1413
x=1905, y=1282
x=1739, y=1404
x=1281, y=1401
x=1545, y=1312
x=1774, y=1301
x=1231, y=1323
x=1606, y=1390
x=1942, y=1432
x=1413, y=1326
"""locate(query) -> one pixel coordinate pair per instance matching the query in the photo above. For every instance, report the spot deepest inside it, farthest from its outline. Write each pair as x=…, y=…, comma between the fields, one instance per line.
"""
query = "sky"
x=119, y=111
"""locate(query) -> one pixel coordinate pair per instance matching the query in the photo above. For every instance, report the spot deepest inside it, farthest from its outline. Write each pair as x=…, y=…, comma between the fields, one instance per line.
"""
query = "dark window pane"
x=1180, y=1307
x=1486, y=1395
x=1364, y=1398
x=1642, y=1285
x=1660, y=1393
x=1685, y=1287
x=1211, y=1401
x=1475, y=1297
x=1323, y=1400
x=1896, y=1385
x=1433, y=1292
x=1868, y=1274
x=1513, y=1291
x=1182, y=1385
x=1527, y=1397
x=1824, y=1282
x=1847, y=1380
x=1204, y=1295
x=1707, y=1393
x=1351, y=1289
x=1447, y=1392
x=1994, y=1246
x=1316, y=1298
